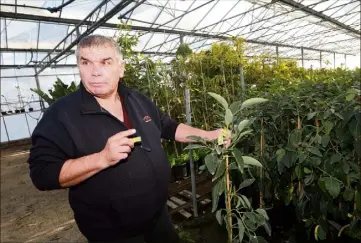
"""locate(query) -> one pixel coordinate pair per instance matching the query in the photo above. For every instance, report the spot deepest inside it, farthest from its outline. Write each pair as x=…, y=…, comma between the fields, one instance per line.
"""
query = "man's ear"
x=122, y=68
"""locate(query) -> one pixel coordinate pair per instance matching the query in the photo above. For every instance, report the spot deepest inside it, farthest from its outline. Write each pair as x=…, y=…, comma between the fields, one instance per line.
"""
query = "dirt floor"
x=29, y=215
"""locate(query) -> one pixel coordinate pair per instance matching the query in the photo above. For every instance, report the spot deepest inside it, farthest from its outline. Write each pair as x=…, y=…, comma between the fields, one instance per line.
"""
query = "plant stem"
x=228, y=204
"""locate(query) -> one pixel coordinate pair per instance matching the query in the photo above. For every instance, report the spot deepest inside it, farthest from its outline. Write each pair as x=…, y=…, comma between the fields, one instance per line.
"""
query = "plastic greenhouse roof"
x=331, y=26
x=40, y=36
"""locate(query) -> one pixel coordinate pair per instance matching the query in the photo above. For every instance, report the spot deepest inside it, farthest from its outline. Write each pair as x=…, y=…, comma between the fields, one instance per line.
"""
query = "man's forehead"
x=97, y=50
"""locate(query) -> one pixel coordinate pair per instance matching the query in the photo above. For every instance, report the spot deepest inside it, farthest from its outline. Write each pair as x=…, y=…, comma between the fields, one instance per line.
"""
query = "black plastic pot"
x=17, y=111
x=10, y=112
x=31, y=109
x=3, y=113
x=22, y=110
x=179, y=171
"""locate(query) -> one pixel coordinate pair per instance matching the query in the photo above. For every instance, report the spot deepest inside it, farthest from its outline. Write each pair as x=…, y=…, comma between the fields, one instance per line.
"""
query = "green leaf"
x=325, y=140
x=219, y=216
x=350, y=96
x=220, y=99
x=318, y=139
x=251, y=161
x=320, y=234
x=243, y=124
x=280, y=153
x=335, y=158
x=244, y=201
x=262, y=212
x=306, y=170
x=315, y=151
x=302, y=157
x=235, y=106
x=296, y=137
x=310, y=115
x=315, y=161
x=220, y=170
x=332, y=186
x=246, y=183
x=228, y=118
x=328, y=127
x=345, y=168
x=239, y=160
x=241, y=229
x=217, y=190
x=348, y=194
x=211, y=161
x=268, y=229
x=252, y=101
x=298, y=171
x=194, y=146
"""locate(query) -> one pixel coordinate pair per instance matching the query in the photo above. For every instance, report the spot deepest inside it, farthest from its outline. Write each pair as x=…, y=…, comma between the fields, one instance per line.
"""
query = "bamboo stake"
x=260, y=169
x=229, y=215
x=299, y=182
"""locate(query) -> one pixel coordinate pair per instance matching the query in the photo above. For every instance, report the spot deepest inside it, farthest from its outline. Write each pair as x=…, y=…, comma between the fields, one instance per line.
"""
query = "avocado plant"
x=221, y=160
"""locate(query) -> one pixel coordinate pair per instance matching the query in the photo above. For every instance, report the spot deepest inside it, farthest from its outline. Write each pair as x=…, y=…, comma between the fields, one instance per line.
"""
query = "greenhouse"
x=277, y=81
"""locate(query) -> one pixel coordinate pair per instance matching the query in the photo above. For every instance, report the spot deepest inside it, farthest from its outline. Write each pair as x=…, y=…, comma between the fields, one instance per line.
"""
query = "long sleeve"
x=51, y=147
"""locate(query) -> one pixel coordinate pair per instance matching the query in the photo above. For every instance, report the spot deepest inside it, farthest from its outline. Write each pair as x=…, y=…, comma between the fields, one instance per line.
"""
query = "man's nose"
x=96, y=71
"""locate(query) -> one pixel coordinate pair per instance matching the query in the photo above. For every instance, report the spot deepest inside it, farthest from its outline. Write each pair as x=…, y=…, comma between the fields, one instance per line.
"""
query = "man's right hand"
x=117, y=148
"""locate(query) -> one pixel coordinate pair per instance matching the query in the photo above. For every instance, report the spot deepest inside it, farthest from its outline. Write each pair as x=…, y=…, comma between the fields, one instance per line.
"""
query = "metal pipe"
x=193, y=177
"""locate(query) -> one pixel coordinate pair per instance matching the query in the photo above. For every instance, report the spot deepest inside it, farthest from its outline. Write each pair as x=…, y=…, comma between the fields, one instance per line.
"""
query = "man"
x=117, y=188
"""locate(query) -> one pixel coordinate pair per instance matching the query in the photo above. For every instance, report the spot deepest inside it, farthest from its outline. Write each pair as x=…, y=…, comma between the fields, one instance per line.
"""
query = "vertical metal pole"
x=6, y=130
x=320, y=59
x=27, y=123
x=345, y=61
x=277, y=55
x=42, y=107
x=334, y=60
x=193, y=176
x=302, y=59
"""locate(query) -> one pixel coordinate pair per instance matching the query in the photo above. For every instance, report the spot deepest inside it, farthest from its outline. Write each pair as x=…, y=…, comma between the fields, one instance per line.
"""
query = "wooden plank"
x=186, y=214
x=188, y=195
x=177, y=200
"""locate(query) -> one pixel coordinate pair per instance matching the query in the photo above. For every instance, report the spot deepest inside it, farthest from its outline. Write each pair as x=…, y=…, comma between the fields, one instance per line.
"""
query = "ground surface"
x=29, y=215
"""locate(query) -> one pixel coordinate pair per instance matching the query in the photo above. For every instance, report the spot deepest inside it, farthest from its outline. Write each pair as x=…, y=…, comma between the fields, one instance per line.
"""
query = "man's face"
x=100, y=70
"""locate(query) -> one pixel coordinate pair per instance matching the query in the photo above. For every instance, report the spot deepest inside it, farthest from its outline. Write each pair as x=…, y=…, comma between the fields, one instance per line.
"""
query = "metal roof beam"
x=147, y=29
x=320, y=15
x=48, y=61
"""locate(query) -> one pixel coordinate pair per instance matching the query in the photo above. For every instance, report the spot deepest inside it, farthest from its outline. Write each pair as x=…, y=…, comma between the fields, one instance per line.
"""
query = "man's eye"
x=84, y=63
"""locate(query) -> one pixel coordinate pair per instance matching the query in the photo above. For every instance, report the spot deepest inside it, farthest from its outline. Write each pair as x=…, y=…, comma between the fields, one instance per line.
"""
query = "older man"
x=117, y=188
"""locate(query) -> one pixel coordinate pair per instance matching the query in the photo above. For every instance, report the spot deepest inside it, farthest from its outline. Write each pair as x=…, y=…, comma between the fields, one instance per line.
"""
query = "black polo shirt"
x=120, y=200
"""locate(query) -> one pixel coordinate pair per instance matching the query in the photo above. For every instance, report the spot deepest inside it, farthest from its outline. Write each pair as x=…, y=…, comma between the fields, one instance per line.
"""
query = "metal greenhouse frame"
x=38, y=39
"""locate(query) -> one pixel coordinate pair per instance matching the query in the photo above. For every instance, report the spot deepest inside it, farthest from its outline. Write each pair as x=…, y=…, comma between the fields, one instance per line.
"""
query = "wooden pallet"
x=182, y=199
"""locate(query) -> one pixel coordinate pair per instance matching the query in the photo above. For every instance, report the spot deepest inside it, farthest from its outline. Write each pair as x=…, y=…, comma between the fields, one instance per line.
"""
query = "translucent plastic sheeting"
x=19, y=126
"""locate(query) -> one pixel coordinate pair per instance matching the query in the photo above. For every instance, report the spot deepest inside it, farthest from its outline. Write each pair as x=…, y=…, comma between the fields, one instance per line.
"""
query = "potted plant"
x=179, y=168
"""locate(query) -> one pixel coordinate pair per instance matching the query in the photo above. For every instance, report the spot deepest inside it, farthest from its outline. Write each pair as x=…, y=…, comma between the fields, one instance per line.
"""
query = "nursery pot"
x=179, y=171
x=31, y=109
x=17, y=111
x=22, y=110
x=3, y=112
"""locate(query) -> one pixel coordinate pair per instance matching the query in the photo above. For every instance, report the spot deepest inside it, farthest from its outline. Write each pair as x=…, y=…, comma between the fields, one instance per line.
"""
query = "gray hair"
x=98, y=40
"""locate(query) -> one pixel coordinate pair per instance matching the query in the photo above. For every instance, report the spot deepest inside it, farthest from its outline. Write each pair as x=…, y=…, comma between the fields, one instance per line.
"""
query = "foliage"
x=58, y=90
x=309, y=129
x=312, y=143
x=220, y=161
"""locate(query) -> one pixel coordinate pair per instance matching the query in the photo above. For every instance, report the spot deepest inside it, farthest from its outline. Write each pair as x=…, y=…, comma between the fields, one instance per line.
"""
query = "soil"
x=30, y=215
